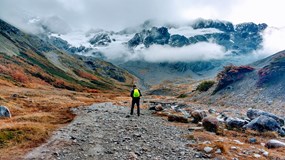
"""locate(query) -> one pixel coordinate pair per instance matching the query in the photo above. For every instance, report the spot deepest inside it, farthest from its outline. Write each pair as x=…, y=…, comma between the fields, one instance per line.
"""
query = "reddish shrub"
x=271, y=73
x=85, y=75
x=231, y=74
x=20, y=76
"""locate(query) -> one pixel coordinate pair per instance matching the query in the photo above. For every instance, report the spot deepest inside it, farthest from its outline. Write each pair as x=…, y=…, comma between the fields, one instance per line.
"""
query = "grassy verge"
x=36, y=113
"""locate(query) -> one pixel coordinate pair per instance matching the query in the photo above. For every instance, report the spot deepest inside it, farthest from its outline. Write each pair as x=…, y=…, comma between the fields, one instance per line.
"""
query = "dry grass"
x=36, y=113
x=244, y=151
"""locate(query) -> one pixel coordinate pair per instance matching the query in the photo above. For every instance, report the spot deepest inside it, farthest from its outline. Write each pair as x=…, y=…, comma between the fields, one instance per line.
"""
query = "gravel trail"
x=102, y=131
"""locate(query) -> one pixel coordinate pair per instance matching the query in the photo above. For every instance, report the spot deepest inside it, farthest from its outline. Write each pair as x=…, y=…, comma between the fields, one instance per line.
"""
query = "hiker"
x=135, y=94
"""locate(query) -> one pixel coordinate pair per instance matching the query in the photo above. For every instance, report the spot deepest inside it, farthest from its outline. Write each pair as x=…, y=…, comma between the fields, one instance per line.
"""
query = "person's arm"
x=132, y=93
x=140, y=93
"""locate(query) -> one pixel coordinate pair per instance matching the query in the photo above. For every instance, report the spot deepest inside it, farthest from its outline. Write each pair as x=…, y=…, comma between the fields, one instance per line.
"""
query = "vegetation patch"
x=182, y=96
x=29, y=134
x=205, y=86
x=273, y=72
x=231, y=74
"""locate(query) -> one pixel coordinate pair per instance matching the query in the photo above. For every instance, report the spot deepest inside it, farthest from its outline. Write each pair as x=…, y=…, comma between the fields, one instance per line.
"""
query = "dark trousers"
x=135, y=101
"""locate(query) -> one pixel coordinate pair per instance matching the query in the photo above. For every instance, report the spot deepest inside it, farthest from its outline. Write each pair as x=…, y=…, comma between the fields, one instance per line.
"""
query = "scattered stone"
x=175, y=118
x=158, y=107
x=235, y=123
x=256, y=155
x=152, y=108
x=212, y=111
x=252, y=140
x=265, y=153
x=207, y=142
x=233, y=148
x=200, y=124
x=238, y=142
x=211, y=124
x=274, y=144
x=218, y=151
x=254, y=113
x=132, y=156
x=196, y=129
x=208, y=149
x=4, y=112
x=198, y=115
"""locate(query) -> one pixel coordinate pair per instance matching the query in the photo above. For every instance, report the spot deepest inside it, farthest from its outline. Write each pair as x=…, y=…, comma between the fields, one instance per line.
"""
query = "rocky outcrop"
x=198, y=115
x=210, y=124
x=4, y=112
x=254, y=113
x=220, y=25
x=274, y=144
x=175, y=118
x=231, y=74
x=263, y=124
x=155, y=35
x=272, y=73
x=235, y=123
x=178, y=41
x=100, y=39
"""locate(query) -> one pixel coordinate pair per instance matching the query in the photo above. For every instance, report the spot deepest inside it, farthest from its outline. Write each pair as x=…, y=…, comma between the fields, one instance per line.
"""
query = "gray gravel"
x=102, y=131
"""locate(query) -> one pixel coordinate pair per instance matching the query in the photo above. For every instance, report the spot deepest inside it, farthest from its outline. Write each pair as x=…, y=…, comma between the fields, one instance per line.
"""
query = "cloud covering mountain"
x=116, y=15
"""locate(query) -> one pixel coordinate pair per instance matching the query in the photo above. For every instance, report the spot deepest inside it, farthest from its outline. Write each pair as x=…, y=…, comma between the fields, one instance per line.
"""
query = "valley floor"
x=47, y=117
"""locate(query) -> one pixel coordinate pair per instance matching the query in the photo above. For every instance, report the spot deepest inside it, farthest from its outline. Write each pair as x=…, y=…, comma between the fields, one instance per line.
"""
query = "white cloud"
x=117, y=14
x=196, y=52
x=273, y=42
x=164, y=53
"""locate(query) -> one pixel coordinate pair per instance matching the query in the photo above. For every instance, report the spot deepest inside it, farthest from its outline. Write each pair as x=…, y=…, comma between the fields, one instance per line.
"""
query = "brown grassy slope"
x=36, y=113
x=40, y=83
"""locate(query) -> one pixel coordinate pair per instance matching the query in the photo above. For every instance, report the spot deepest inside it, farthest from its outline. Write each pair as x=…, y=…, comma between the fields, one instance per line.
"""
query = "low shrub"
x=182, y=96
x=205, y=86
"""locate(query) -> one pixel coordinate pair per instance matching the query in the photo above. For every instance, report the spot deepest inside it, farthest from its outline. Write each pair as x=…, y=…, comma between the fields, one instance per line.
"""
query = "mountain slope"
x=261, y=83
x=27, y=60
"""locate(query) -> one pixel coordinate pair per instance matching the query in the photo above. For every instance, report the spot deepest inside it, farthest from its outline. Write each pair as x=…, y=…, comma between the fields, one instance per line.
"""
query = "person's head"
x=134, y=86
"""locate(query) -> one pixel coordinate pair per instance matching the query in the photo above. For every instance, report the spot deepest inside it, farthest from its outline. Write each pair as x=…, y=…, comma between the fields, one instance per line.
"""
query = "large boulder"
x=210, y=124
x=198, y=115
x=274, y=144
x=4, y=112
x=235, y=123
x=264, y=123
x=254, y=113
x=175, y=118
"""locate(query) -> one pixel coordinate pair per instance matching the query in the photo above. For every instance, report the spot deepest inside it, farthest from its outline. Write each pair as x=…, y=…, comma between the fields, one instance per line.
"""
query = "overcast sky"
x=117, y=14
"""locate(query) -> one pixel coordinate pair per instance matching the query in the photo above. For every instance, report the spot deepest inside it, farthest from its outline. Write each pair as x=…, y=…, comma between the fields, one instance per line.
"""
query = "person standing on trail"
x=136, y=95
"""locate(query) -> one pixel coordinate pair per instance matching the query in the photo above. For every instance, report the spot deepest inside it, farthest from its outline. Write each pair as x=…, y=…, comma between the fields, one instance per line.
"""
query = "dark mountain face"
x=155, y=35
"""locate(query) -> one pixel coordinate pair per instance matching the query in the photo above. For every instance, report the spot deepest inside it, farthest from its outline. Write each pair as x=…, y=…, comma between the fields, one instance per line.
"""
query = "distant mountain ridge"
x=240, y=39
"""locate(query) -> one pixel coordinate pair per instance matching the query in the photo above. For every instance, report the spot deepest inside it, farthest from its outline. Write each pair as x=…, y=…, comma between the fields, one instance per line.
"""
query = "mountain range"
x=49, y=59
x=138, y=44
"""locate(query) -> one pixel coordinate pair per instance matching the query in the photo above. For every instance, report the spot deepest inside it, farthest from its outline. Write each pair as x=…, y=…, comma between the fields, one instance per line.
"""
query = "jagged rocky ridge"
x=240, y=39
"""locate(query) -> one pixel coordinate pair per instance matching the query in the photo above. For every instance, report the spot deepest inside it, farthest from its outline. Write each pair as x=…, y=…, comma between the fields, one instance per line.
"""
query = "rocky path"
x=103, y=132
